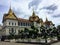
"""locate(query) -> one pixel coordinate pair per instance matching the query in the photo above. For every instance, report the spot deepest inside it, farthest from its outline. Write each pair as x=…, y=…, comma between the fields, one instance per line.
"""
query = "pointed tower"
x=10, y=23
x=47, y=22
x=34, y=17
x=46, y=19
x=10, y=11
x=9, y=15
x=33, y=14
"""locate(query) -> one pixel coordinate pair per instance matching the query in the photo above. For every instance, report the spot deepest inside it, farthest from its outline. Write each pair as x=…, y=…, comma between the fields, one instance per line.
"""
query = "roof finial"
x=33, y=14
x=10, y=10
x=33, y=9
x=46, y=19
x=10, y=4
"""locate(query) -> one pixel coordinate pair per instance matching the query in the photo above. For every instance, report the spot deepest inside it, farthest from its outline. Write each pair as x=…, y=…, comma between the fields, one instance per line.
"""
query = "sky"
x=24, y=8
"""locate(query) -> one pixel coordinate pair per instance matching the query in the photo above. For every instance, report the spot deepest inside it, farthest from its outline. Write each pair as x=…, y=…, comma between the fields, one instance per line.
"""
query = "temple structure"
x=12, y=24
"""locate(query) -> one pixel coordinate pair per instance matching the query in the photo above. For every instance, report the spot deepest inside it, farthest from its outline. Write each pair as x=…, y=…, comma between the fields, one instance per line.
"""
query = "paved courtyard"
x=11, y=43
x=58, y=43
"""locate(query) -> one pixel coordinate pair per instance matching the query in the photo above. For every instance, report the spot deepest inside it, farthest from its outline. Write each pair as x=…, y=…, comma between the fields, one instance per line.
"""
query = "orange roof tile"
x=23, y=20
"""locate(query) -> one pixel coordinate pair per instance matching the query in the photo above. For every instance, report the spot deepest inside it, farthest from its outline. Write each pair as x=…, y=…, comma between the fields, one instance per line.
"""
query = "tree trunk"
x=45, y=40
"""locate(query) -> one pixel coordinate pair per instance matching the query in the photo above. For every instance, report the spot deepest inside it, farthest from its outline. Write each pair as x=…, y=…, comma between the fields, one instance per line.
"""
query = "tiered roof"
x=48, y=22
x=34, y=18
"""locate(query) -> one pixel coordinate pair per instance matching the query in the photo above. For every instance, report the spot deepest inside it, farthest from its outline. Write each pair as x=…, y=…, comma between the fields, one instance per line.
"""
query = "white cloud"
x=22, y=5
x=44, y=12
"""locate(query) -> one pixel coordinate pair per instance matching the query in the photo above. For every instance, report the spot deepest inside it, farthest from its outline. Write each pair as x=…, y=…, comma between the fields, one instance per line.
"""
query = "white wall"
x=7, y=31
x=6, y=23
x=11, y=21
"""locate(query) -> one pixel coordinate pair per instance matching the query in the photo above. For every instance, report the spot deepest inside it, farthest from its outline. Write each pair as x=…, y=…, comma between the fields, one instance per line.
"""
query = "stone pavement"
x=58, y=43
x=11, y=43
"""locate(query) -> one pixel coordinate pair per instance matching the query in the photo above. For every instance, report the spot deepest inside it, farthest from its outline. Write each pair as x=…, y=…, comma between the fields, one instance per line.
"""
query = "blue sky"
x=23, y=9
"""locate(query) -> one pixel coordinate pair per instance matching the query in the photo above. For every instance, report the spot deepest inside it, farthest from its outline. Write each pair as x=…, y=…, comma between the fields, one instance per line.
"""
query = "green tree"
x=34, y=31
x=26, y=33
x=44, y=33
x=58, y=32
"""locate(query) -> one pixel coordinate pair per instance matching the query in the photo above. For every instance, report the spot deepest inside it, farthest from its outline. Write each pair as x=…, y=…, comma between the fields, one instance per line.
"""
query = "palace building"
x=13, y=24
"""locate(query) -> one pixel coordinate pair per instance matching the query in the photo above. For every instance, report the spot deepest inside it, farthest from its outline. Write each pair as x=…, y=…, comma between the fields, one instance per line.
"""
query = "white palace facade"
x=13, y=24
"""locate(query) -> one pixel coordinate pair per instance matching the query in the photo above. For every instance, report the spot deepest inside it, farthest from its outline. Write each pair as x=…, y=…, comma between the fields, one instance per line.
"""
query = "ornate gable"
x=9, y=15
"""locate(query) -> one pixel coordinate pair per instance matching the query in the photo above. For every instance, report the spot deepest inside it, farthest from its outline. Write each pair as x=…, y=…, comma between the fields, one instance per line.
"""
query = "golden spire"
x=46, y=19
x=10, y=10
x=33, y=14
x=11, y=14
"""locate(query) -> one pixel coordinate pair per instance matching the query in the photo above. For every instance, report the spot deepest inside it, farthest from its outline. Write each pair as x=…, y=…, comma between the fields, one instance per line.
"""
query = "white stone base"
x=13, y=40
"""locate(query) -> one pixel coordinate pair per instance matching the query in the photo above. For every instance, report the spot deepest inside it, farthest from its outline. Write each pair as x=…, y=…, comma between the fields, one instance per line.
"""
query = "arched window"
x=12, y=23
x=9, y=23
x=26, y=24
x=21, y=23
x=15, y=24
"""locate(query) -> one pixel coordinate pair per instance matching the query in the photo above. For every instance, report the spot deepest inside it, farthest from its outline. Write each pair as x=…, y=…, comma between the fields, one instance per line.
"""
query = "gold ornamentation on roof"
x=10, y=15
x=34, y=18
x=33, y=14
